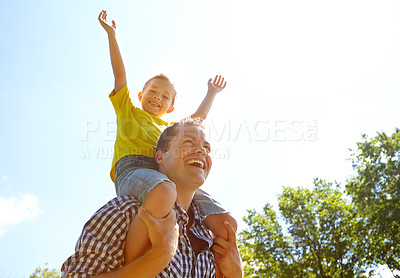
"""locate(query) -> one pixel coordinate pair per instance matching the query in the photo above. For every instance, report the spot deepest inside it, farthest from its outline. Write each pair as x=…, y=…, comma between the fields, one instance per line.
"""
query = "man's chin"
x=197, y=181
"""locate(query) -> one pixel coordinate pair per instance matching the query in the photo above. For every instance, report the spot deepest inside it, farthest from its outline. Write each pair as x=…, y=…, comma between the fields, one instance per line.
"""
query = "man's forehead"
x=191, y=131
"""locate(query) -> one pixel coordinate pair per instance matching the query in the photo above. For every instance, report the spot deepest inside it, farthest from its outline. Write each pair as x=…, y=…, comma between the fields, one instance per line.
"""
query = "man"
x=181, y=245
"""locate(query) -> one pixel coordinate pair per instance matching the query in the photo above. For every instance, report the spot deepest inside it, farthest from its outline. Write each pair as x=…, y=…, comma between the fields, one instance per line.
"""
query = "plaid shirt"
x=100, y=247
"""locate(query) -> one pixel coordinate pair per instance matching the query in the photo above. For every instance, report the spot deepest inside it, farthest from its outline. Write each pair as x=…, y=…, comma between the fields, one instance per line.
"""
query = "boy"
x=134, y=169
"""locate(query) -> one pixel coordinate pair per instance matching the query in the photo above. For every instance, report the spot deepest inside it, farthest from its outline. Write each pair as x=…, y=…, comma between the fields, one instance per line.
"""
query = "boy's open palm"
x=103, y=21
x=217, y=85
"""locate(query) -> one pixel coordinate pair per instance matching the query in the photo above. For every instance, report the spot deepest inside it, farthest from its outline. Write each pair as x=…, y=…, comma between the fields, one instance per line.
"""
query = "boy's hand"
x=217, y=85
x=110, y=29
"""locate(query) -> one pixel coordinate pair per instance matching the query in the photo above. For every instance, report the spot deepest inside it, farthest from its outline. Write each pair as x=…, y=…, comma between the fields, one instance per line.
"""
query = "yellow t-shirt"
x=137, y=130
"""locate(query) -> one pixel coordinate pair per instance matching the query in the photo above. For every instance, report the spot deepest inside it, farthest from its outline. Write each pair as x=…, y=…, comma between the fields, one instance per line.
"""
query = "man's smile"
x=196, y=162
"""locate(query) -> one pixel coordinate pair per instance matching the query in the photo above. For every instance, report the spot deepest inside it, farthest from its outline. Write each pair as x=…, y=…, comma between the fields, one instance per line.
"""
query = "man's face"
x=187, y=161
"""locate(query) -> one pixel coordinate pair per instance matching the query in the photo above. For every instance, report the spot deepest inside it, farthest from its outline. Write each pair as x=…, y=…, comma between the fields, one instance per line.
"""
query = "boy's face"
x=157, y=97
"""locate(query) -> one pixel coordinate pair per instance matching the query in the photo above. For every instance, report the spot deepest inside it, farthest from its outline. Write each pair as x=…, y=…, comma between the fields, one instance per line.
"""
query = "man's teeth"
x=196, y=162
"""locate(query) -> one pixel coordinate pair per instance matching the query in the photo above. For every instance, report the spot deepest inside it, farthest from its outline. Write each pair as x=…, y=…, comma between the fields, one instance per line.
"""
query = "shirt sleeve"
x=100, y=247
x=120, y=99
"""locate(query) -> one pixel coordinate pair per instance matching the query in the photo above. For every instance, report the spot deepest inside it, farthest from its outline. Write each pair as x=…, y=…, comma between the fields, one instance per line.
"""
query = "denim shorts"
x=136, y=175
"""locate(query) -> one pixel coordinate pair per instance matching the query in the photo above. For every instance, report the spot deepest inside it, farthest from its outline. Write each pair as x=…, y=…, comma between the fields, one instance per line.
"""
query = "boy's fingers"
x=101, y=15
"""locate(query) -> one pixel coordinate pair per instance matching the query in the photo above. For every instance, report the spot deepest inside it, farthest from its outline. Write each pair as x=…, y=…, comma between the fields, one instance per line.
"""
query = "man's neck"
x=184, y=199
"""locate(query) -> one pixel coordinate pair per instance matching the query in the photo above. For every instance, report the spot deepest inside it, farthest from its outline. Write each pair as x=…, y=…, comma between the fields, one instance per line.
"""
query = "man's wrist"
x=164, y=252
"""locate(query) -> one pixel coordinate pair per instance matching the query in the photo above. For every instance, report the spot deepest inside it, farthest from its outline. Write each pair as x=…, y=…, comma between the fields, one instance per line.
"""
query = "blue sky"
x=305, y=80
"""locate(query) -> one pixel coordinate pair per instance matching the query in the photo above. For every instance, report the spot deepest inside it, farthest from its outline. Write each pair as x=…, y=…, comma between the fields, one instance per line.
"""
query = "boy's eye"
x=166, y=97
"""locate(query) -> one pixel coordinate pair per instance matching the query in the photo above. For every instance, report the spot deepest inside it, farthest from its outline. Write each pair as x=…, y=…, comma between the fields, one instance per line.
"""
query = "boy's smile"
x=157, y=97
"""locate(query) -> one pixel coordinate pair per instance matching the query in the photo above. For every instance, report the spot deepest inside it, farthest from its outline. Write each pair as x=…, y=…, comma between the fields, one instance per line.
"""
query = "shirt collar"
x=183, y=218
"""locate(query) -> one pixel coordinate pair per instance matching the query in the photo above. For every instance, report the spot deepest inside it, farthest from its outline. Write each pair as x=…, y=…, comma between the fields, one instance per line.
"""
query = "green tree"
x=319, y=238
x=375, y=191
x=45, y=272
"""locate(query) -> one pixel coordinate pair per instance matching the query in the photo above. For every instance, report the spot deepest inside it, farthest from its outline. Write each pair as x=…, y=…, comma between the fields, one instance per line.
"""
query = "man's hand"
x=217, y=85
x=163, y=233
x=110, y=29
x=227, y=254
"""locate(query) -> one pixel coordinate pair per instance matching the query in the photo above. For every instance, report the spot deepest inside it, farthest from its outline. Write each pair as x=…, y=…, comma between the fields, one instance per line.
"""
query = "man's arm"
x=163, y=235
x=115, y=54
x=214, y=87
x=227, y=255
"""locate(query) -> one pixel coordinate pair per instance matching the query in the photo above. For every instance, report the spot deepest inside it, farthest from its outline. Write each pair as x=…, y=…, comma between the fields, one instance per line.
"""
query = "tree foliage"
x=320, y=238
x=375, y=191
x=45, y=272
x=324, y=233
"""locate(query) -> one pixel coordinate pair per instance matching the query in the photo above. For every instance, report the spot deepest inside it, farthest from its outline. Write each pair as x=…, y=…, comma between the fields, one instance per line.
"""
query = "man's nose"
x=157, y=97
x=200, y=149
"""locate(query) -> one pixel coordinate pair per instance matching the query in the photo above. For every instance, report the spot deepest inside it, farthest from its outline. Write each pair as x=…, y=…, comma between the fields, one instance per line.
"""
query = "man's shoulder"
x=121, y=204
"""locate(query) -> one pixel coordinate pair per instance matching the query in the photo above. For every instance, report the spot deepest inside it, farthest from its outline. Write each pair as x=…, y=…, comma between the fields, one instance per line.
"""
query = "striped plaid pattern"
x=100, y=247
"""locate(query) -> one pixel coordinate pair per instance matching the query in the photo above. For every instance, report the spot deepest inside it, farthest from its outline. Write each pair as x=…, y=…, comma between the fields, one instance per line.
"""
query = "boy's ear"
x=140, y=95
x=170, y=109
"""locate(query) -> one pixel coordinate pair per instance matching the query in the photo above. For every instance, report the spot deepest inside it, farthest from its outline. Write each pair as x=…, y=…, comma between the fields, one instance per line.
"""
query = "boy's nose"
x=157, y=97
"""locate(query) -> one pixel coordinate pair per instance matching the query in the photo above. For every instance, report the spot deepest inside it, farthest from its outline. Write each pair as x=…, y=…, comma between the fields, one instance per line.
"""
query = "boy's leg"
x=215, y=214
x=215, y=222
x=159, y=203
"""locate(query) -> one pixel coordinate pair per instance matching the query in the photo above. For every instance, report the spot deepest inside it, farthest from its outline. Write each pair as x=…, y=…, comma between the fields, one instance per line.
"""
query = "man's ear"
x=140, y=95
x=160, y=158
x=170, y=109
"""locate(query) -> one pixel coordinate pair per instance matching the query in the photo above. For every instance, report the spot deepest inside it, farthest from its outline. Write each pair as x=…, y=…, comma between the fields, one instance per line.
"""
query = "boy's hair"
x=161, y=77
x=171, y=131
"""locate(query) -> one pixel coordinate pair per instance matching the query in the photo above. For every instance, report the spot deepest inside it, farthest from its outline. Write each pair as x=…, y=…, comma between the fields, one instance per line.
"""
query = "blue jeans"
x=136, y=175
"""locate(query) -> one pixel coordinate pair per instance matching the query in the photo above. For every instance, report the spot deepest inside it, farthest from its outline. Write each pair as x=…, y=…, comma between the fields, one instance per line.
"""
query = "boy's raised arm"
x=214, y=87
x=116, y=58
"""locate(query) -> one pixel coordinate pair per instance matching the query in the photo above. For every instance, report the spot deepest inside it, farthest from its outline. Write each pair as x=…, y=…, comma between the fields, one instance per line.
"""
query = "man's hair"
x=171, y=131
x=161, y=77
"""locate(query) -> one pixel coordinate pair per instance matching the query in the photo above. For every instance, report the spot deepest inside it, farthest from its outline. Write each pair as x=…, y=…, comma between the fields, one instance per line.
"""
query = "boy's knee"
x=161, y=199
x=166, y=190
x=215, y=223
x=229, y=218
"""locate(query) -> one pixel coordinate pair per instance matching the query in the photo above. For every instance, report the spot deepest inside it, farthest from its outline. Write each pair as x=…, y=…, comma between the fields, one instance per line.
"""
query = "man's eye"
x=166, y=97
